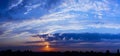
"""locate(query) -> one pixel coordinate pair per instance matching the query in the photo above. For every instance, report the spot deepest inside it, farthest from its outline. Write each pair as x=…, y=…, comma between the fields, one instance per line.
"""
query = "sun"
x=47, y=46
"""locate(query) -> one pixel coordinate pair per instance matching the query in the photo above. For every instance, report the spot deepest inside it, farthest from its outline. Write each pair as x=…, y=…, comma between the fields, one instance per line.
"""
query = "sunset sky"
x=22, y=22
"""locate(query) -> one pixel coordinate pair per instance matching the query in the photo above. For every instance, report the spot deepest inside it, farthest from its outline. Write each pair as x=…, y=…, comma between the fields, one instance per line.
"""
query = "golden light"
x=46, y=43
x=46, y=47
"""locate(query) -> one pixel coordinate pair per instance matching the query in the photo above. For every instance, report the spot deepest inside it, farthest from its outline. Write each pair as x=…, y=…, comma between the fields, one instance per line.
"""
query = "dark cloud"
x=88, y=40
x=90, y=37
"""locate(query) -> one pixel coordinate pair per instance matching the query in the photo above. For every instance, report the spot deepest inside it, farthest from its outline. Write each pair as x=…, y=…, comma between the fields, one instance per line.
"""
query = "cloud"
x=80, y=40
x=15, y=4
x=29, y=8
x=96, y=7
x=106, y=25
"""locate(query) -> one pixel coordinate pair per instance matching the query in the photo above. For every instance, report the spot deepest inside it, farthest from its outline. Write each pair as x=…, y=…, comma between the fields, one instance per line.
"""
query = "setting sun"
x=47, y=44
x=46, y=47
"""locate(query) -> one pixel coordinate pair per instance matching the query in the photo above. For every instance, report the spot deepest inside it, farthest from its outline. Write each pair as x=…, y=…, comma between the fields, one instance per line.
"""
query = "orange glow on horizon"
x=47, y=47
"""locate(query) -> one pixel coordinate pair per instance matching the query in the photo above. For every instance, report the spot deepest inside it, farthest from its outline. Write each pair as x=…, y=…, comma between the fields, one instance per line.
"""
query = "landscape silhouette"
x=57, y=53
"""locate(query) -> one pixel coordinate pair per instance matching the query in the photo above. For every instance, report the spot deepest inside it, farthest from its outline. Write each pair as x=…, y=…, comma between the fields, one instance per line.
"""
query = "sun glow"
x=46, y=47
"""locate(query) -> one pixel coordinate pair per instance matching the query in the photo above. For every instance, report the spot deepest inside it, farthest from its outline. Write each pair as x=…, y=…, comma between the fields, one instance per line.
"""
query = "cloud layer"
x=44, y=17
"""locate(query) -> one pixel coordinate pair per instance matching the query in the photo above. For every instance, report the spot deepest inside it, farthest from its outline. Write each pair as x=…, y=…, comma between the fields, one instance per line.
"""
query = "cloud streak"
x=15, y=4
x=29, y=8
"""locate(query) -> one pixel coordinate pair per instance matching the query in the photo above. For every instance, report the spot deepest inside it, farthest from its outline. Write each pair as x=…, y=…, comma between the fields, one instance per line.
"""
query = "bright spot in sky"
x=46, y=47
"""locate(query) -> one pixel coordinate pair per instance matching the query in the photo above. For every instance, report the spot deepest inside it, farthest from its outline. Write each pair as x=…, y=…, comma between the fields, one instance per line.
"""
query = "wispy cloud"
x=106, y=25
x=15, y=4
x=29, y=8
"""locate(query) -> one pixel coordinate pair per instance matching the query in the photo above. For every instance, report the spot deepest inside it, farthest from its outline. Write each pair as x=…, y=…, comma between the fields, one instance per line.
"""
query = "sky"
x=20, y=20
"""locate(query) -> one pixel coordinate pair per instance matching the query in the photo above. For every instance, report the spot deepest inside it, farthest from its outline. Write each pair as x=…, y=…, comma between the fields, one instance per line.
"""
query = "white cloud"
x=106, y=25
x=15, y=4
x=54, y=28
x=31, y=7
x=98, y=8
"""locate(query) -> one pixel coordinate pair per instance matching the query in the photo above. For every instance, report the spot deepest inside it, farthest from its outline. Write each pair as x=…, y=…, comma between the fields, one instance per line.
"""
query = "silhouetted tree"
x=118, y=52
x=107, y=53
x=67, y=53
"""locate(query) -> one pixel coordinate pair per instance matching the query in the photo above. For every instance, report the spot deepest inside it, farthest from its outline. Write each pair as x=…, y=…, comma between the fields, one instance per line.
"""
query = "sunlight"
x=46, y=47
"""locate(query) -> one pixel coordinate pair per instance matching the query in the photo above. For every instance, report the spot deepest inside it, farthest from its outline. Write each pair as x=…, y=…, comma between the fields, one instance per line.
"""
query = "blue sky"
x=20, y=19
